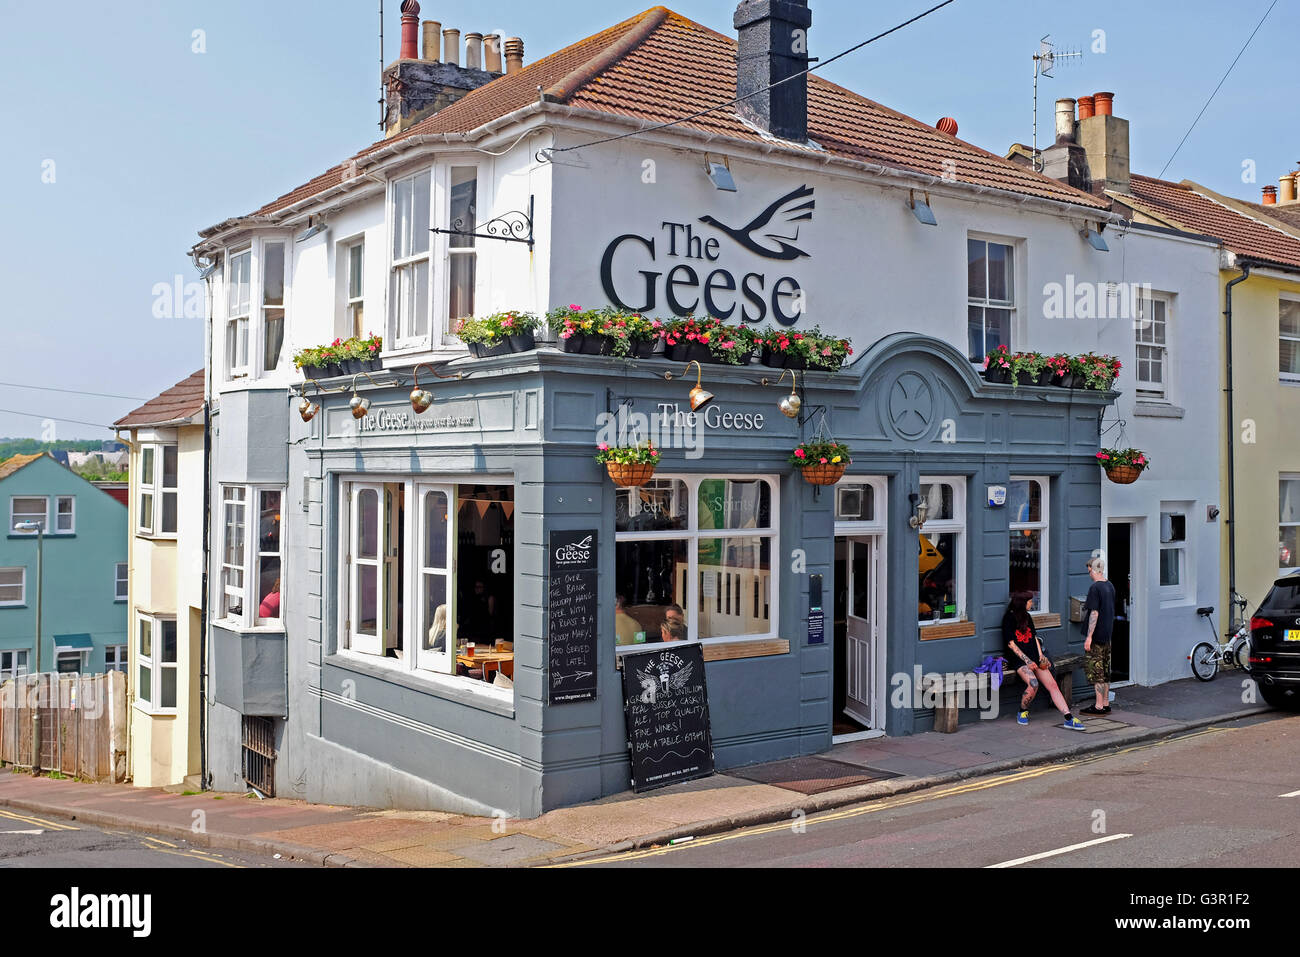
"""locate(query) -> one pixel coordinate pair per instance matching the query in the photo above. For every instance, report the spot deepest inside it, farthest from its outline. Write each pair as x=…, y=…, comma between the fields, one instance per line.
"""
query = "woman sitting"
x=1031, y=664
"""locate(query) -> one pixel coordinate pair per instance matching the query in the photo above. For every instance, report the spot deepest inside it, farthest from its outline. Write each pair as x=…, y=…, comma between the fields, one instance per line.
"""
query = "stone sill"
x=1158, y=410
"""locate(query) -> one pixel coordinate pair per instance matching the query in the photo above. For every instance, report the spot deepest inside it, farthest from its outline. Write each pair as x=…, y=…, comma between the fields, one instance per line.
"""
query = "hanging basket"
x=629, y=475
x=1123, y=474
x=822, y=474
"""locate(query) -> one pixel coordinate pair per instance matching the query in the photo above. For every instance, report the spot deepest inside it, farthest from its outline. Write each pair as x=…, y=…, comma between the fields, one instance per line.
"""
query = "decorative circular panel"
x=911, y=405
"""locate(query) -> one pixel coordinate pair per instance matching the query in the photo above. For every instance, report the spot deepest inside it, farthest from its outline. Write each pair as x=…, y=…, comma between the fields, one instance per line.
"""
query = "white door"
x=861, y=626
x=435, y=631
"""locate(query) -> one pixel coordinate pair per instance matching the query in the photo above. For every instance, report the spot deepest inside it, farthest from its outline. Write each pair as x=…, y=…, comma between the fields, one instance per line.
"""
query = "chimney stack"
x=1065, y=160
x=432, y=40
x=514, y=54
x=451, y=46
x=1065, y=120
x=772, y=47
x=1287, y=192
x=473, y=51
x=492, y=52
x=1270, y=196
x=410, y=30
x=1104, y=138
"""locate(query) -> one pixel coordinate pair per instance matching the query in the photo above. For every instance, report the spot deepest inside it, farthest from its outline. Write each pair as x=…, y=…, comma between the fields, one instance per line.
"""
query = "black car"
x=1275, y=644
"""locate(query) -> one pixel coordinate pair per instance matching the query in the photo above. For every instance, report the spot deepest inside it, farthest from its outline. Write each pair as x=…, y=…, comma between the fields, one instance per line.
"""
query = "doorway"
x=856, y=687
x=1119, y=556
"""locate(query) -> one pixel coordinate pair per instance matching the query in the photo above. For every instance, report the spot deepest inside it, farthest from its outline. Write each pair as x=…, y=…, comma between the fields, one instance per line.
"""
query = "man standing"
x=1099, y=620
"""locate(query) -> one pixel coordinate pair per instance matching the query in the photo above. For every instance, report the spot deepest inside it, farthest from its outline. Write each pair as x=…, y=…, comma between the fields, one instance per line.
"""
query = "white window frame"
x=370, y=649
x=251, y=556
x=403, y=338
x=448, y=250
x=1043, y=527
x=153, y=663
x=121, y=581
x=1009, y=305
x=11, y=669
x=692, y=534
x=72, y=514
x=351, y=303
x=1286, y=477
x=152, y=486
x=1295, y=301
x=14, y=518
x=238, y=335
x=262, y=308
x=116, y=659
x=1144, y=336
x=956, y=526
x=83, y=660
x=22, y=585
x=1186, y=585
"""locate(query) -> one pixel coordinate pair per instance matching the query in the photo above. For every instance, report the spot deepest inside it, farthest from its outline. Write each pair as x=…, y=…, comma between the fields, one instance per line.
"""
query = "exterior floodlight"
x=921, y=209
x=721, y=177
x=1094, y=239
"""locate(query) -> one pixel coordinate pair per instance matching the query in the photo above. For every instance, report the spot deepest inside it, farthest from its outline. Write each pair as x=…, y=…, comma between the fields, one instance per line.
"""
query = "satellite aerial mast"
x=1044, y=61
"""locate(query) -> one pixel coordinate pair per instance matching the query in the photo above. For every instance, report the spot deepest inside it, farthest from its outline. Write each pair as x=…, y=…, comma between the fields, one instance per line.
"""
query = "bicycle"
x=1206, y=656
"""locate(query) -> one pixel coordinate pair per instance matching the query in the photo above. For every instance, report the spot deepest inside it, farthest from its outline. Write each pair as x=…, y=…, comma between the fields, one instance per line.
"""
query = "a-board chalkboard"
x=666, y=705
x=571, y=600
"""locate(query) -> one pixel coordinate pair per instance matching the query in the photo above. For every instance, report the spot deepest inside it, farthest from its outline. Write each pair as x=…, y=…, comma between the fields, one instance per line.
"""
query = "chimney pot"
x=473, y=51
x=514, y=54
x=1065, y=120
x=492, y=52
x=1270, y=196
x=451, y=46
x=1086, y=106
x=410, y=49
x=1287, y=192
x=947, y=125
x=432, y=40
x=1105, y=103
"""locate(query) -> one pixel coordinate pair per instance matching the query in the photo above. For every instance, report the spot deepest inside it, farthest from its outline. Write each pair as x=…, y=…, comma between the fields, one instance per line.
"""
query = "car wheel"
x=1281, y=696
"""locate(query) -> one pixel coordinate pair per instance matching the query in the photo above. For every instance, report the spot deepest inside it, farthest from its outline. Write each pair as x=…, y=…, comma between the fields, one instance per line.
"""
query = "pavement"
x=849, y=773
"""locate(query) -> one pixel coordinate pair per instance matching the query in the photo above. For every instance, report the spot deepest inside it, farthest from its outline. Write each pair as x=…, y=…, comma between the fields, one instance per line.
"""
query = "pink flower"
x=574, y=307
x=826, y=351
x=823, y=461
x=727, y=345
x=604, y=446
x=800, y=454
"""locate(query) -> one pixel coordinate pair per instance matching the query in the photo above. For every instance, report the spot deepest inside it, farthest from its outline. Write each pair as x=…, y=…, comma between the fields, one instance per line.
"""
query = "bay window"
x=156, y=663
x=250, y=563
x=408, y=295
x=159, y=486
x=1027, y=506
x=990, y=296
x=941, y=585
x=238, y=304
x=701, y=544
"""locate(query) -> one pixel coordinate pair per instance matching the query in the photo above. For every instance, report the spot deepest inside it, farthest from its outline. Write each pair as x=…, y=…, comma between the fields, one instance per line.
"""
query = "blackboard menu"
x=666, y=705
x=571, y=599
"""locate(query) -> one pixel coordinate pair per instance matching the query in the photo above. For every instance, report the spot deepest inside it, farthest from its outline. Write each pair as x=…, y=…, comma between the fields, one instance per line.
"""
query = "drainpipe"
x=207, y=526
x=1232, y=433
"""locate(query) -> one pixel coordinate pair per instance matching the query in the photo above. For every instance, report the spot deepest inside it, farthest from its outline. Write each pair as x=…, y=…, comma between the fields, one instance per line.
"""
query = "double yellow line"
x=37, y=821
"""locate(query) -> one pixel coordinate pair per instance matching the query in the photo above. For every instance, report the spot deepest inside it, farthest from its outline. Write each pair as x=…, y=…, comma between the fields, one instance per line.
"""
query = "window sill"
x=1046, y=620
x=1291, y=382
x=459, y=690
x=1157, y=410
x=145, y=708
x=48, y=535
x=157, y=536
x=231, y=624
x=952, y=629
x=10, y=604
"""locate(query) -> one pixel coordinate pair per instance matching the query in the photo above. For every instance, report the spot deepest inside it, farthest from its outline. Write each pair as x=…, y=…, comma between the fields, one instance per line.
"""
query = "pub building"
x=405, y=537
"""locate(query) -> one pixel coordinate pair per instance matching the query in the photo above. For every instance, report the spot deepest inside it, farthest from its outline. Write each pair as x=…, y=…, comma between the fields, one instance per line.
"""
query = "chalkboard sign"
x=571, y=599
x=666, y=705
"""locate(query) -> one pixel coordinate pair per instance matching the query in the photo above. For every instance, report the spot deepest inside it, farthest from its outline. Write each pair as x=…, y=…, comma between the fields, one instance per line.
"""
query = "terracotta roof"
x=12, y=464
x=179, y=403
x=659, y=66
x=1180, y=205
x=1289, y=214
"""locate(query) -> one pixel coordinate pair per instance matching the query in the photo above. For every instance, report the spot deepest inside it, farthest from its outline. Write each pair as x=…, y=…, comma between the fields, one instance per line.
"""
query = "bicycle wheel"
x=1205, y=661
x=1241, y=653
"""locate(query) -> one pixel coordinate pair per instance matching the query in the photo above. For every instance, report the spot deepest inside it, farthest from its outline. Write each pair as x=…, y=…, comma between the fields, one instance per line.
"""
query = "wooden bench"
x=957, y=686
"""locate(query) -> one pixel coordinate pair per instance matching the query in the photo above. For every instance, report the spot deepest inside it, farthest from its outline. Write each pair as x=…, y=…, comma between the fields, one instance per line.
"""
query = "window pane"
x=648, y=577
x=975, y=349
x=367, y=604
x=659, y=505
x=1170, y=566
x=1289, y=356
x=169, y=460
x=464, y=204
x=940, y=498
x=168, y=696
x=146, y=511
x=28, y=510
x=460, y=302
x=268, y=587
x=420, y=215
x=728, y=569
x=1289, y=317
x=168, y=650
x=855, y=503
x=435, y=611
x=1288, y=547
x=735, y=503
x=401, y=218
x=1001, y=285
x=168, y=512
x=143, y=690
x=1026, y=564
x=238, y=297
x=485, y=599
x=273, y=274
x=146, y=638
x=367, y=523
x=268, y=536
x=937, y=575
x=860, y=605
x=997, y=329
x=354, y=271
x=146, y=466
x=1173, y=527
x=976, y=269
x=435, y=530
x=273, y=338
x=1024, y=501
x=1289, y=500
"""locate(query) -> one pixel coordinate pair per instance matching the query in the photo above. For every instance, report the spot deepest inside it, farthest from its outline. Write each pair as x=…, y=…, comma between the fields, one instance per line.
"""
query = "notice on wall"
x=571, y=602
x=666, y=705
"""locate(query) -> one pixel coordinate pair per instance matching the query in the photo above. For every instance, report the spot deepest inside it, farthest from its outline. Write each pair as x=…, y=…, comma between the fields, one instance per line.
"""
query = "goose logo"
x=574, y=553
x=773, y=232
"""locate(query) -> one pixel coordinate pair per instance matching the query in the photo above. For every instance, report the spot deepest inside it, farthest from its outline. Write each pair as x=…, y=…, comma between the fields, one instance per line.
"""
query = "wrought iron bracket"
x=511, y=227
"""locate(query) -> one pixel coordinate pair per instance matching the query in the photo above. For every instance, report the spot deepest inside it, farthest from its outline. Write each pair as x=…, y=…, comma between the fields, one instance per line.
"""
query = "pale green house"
x=83, y=573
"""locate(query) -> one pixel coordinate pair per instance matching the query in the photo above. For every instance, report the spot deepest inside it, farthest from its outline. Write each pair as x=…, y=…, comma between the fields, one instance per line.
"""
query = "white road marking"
x=38, y=831
x=1059, y=850
x=1292, y=794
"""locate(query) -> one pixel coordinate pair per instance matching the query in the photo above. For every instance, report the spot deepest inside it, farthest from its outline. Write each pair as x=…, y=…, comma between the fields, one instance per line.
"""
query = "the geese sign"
x=695, y=285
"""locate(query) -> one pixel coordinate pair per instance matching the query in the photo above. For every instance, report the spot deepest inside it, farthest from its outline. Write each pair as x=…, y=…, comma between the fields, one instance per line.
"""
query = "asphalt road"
x=1222, y=796
x=30, y=839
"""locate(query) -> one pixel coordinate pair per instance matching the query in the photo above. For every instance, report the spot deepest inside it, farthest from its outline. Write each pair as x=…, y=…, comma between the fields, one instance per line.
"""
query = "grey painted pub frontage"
x=405, y=534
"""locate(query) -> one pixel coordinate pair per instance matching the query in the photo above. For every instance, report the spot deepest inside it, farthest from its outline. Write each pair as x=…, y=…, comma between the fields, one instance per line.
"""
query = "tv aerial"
x=1044, y=62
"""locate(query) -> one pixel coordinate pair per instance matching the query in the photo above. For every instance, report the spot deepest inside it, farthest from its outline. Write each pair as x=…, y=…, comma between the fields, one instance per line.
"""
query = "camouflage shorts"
x=1096, y=664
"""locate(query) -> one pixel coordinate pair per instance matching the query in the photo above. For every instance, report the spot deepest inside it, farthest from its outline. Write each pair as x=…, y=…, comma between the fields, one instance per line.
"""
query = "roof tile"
x=180, y=402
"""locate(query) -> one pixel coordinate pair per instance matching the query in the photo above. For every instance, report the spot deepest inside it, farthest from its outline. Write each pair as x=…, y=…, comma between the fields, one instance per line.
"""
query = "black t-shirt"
x=1101, y=599
x=1026, y=639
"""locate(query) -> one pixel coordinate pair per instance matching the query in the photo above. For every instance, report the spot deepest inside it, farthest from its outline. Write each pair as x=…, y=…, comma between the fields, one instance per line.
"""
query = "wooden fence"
x=83, y=724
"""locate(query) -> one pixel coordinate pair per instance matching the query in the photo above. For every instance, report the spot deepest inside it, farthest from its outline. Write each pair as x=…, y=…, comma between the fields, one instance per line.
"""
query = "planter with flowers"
x=1123, y=466
x=809, y=349
x=362, y=354
x=607, y=332
x=576, y=329
x=1096, y=372
x=997, y=365
x=628, y=465
x=710, y=340
x=499, y=333
x=1058, y=372
x=1026, y=368
x=821, y=461
x=322, y=362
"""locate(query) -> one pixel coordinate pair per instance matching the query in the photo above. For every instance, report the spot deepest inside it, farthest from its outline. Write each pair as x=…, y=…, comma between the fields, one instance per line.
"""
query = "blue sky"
x=151, y=141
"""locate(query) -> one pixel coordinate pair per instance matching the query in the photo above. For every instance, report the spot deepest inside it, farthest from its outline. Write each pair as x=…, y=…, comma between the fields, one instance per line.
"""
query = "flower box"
x=594, y=344
x=692, y=352
x=523, y=342
x=486, y=350
x=573, y=343
x=781, y=360
x=997, y=375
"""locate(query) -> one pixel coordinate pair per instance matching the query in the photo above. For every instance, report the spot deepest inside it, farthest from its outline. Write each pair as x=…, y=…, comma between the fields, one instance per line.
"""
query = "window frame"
x=121, y=581
x=985, y=303
x=396, y=263
x=120, y=659
x=158, y=493
x=1178, y=592
x=29, y=516
x=72, y=513
x=262, y=309
x=1284, y=570
x=1288, y=337
x=450, y=251
x=251, y=556
x=692, y=534
x=1146, y=389
x=154, y=664
x=1043, y=526
x=354, y=306
x=238, y=322
x=12, y=672
x=22, y=585
x=957, y=526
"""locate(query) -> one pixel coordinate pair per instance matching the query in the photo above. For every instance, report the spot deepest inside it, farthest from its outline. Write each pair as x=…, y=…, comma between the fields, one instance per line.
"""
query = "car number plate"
x=1293, y=634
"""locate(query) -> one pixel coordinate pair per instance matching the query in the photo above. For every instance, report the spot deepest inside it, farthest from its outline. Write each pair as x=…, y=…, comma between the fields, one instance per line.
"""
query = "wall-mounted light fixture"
x=790, y=404
x=699, y=395
x=1093, y=238
x=359, y=404
x=720, y=174
x=421, y=399
x=306, y=407
x=922, y=511
x=921, y=208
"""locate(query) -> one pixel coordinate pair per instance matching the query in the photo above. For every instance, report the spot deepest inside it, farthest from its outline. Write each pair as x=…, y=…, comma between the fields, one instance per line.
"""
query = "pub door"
x=857, y=634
